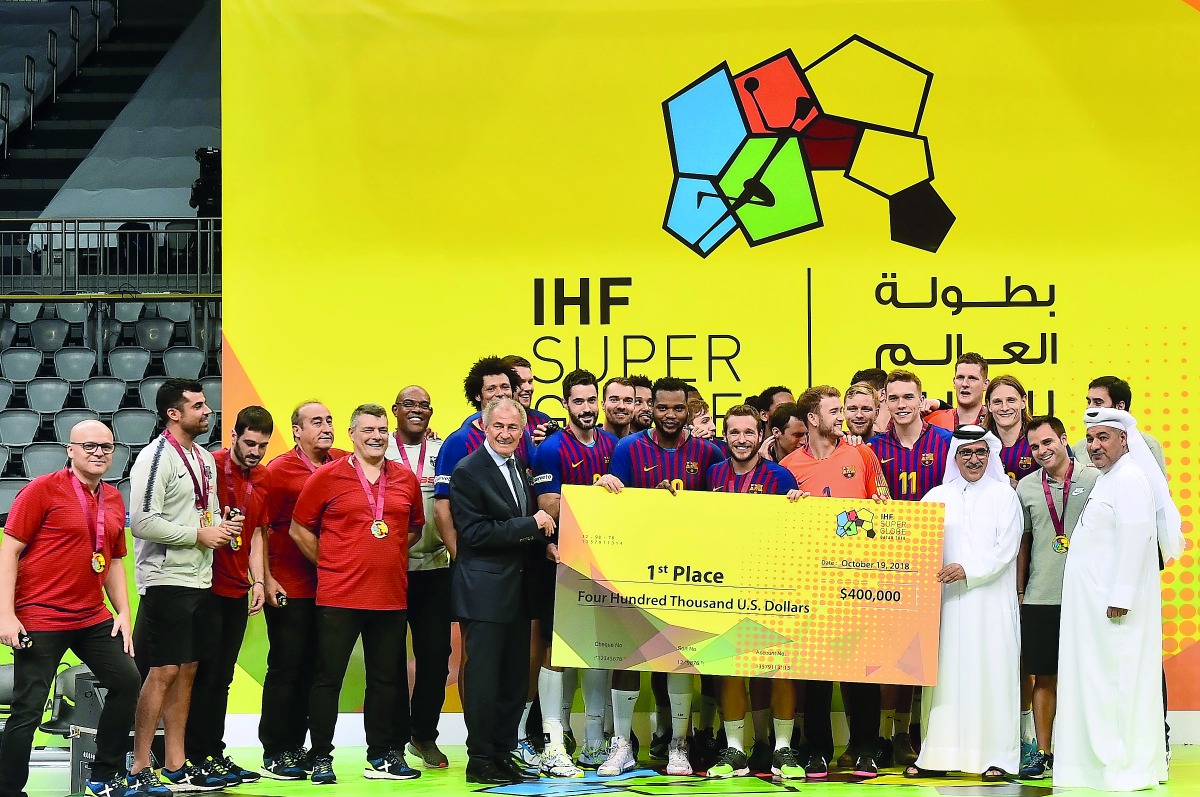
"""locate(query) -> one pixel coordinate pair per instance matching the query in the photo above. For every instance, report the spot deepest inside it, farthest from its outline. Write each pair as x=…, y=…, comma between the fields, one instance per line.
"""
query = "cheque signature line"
x=690, y=584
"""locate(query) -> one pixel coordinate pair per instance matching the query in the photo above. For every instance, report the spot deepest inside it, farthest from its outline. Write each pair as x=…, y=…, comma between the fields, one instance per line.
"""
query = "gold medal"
x=379, y=529
x=1061, y=543
x=98, y=563
x=236, y=542
x=206, y=517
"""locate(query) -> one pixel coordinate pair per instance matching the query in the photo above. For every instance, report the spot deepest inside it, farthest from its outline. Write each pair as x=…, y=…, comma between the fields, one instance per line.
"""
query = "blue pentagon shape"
x=705, y=125
x=697, y=215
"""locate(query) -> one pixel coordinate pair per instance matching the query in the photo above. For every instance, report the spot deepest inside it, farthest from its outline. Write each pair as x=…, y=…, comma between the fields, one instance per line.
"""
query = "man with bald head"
x=62, y=550
x=428, y=586
x=291, y=627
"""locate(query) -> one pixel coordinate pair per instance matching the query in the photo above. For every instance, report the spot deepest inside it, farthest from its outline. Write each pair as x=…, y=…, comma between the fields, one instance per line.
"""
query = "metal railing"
x=52, y=60
x=31, y=84
x=110, y=255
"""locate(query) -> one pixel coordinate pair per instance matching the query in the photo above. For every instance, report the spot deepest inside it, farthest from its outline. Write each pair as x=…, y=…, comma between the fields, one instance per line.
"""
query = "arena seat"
x=212, y=391
x=24, y=312
x=20, y=364
x=4, y=455
x=6, y=391
x=38, y=459
x=184, y=362
x=75, y=364
x=19, y=427
x=64, y=420
x=148, y=389
x=155, y=334
x=122, y=454
x=8, y=332
x=49, y=334
x=8, y=493
x=104, y=394
x=128, y=363
x=47, y=394
x=134, y=426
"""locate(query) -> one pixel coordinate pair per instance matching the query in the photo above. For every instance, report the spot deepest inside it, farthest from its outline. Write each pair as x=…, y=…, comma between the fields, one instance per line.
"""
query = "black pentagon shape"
x=919, y=217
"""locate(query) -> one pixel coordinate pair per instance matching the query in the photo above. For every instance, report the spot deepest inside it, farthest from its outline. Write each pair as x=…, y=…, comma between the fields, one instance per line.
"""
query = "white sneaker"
x=556, y=763
x=620, y=758
x=592, y=755
x=526, y=756
x=677, y=759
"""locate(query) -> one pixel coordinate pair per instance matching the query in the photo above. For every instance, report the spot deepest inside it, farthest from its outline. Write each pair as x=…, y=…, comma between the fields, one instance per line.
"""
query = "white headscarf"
x=973, y=434
x=1170, y=531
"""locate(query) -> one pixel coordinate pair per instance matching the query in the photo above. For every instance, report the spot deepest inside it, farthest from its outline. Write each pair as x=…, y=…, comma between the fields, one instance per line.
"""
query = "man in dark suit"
x=493, y=512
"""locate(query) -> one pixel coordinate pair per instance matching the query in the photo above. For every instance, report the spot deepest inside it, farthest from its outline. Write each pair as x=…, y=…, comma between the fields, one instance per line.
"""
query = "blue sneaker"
x=283, y=767
x=215, y=768
x=244, y=775
x=190, y=777
x=322, y=772
x=113, y=787
x=146, y=783
x=1027, y=751
x=389, y=767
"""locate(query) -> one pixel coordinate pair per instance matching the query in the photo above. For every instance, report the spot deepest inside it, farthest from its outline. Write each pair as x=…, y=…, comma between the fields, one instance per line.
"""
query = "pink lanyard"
x=404, y=456
x=199, y=485
x=244, y=501
x=374, y=500
x=1059, y=522
x=95, y=523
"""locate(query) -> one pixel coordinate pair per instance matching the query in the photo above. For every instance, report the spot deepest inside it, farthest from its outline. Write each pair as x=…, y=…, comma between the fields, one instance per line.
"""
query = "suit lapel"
x=500, y=482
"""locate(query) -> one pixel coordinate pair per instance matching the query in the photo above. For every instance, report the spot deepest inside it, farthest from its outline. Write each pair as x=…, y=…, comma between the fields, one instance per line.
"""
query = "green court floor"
x=348, y=762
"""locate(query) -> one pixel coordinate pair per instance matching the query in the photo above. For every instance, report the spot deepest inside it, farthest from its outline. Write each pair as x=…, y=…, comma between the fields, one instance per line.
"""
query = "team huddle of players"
x=881, y=439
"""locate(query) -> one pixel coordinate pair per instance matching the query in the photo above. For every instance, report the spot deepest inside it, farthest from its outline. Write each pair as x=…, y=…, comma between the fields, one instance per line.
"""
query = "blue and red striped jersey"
x=563, y=459
x=639, y=461
x=534, y=419
x=1018, y=460
x=767, y=478
x=462, y=441
x=912, y=472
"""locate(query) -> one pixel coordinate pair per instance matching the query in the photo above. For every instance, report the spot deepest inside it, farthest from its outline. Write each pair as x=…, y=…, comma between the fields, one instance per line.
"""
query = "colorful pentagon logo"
x=852, y=521
x=744, y=147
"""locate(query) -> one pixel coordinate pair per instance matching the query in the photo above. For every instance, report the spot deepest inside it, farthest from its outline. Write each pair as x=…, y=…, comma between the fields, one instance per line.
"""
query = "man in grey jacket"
x=177, y=522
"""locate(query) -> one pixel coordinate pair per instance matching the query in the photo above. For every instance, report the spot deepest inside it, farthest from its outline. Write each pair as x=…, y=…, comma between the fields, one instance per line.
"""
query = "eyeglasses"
x=91, y=448
x=409, y=404
x=972, y=454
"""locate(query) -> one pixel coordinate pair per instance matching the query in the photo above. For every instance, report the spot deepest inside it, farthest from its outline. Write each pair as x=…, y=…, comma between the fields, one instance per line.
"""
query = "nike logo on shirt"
x=647, y=470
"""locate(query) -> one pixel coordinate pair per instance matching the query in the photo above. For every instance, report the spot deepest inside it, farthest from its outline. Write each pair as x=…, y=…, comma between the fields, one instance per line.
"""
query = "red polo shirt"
x=247, y=490
x=57, y=589
x=355, y=569
x=286, y=475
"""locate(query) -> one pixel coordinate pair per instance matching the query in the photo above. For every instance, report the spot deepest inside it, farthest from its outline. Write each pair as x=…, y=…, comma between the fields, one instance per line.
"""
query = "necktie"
x=517, y=485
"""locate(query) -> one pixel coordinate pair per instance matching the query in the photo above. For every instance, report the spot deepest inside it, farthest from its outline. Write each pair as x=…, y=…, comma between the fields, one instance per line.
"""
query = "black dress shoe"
x=509, y=767
x=487, y=772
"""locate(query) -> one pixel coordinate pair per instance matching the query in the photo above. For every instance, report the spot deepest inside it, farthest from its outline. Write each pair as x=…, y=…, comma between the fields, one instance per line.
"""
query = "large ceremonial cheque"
x=824, y=588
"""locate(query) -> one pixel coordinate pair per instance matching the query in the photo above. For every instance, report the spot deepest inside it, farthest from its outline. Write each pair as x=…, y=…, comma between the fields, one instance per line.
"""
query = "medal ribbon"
x=375, y=500
x=404, y=456
x=244, y=500
x=733, y=477
x=95, y=523
x=307, y=462
x=200, y=485
x=1059, y=522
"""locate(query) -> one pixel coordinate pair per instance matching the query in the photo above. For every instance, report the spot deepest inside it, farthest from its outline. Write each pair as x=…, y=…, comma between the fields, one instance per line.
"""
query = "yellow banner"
x=827, y=589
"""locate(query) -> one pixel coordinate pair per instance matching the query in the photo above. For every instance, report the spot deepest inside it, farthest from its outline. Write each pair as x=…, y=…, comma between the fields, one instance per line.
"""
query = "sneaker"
x=883, y=752
x=659, y=744
x=557, y=763
x=592, y=755
x=282, y=767
x=190, y=777
x=215, y=767
x=244, y=775
x=430, y=755
x=116, y=786
x=526, y=756
x=390, y=766
x=322, y=770
x=817, y=767
x=677, y=759
x=703, y=750
x=786, y=764
x=731, y=763
x=845, y=760
x=903, y=753
x=759, y=759
x=304, y=758
x=147, y=783
x=620, y=759
x=569, y=742
x=865, y=767
x=1027, y=751
x=1041, y=765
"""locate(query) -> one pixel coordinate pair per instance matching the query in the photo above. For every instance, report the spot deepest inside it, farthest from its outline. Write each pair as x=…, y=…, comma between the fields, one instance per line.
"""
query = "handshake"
x=225, y=532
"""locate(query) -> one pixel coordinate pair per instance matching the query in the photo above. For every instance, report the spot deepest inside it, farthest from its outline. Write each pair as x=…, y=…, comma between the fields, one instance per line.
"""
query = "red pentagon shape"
x=776, y=96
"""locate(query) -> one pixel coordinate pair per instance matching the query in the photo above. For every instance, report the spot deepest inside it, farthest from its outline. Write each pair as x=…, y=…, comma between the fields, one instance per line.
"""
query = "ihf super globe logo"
x=744, y=147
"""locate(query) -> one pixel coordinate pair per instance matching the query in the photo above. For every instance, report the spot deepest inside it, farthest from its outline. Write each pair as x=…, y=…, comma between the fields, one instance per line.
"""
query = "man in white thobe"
x=973, y=714
x=1108, y=729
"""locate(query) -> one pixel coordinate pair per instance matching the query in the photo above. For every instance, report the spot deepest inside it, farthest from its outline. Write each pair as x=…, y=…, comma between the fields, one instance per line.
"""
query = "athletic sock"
x=570, y=682
x=735, y=734
x=521, y=734
x=762, y=725
x=596, y=686
x=783, y=734
x=679, y=690
x=886, y=720
x=550, y=690
x=623, y=702
x=1027, y=733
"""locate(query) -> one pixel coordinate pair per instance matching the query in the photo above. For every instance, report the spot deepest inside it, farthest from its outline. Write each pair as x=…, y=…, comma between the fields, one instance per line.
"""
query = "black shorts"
x=174, y=625
x=1039, y=638
x=541, y=581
